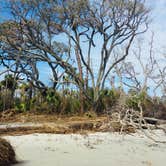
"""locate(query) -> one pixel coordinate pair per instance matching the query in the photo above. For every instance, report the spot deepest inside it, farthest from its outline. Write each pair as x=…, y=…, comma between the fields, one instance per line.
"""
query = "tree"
x=144, y=78
x=39, y=25
x=7, y=88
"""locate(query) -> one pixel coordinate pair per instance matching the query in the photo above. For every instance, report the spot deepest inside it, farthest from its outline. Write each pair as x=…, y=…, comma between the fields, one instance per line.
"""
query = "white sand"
x=99, y=149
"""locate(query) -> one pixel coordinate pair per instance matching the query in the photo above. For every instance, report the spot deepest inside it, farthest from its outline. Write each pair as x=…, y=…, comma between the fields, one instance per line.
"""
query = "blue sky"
x=158, y=25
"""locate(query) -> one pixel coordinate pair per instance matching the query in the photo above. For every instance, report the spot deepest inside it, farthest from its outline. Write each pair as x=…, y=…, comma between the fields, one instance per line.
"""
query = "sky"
x=157, y=25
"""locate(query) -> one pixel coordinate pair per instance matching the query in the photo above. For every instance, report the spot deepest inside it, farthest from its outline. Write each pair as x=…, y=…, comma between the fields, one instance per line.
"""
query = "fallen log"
x=152, y=121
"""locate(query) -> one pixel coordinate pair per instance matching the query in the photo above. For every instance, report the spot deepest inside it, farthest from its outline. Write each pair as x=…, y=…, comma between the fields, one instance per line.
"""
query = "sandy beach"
x=98, y=149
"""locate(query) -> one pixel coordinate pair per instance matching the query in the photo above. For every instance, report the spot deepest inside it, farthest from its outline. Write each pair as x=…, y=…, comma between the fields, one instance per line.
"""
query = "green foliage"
x=1, y=105
x=108, y=98
x=20, y=107
x=135, y=99
x=9, y=82
x=66, y=102
x=70, y=104
x=53, y=100
x=6, y=100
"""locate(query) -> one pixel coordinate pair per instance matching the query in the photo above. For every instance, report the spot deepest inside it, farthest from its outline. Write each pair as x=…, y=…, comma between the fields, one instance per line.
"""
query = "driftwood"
x=135, y=121
x=152, y=121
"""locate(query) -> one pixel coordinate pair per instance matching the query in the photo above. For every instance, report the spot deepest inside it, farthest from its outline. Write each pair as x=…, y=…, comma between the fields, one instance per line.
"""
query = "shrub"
x=108, y=99
x=7, y=154
x=135, y=99
x=6, y=100
x=69, y=105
